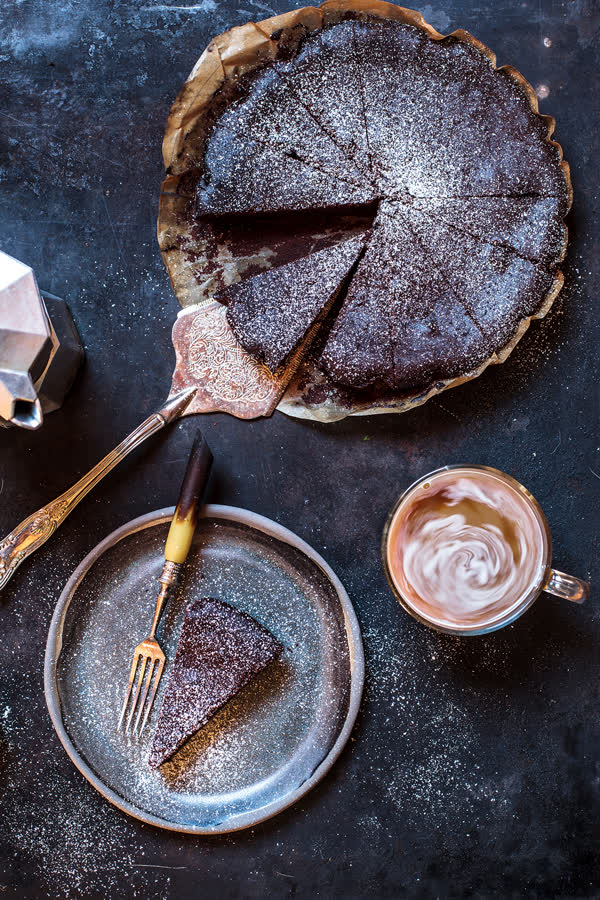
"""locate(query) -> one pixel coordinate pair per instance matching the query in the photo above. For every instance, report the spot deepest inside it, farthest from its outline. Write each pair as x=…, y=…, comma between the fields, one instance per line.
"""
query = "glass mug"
x=467, y=549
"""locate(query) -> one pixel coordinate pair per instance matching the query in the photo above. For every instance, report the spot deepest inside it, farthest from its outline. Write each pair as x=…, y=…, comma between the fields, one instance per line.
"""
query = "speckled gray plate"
x=271, y=743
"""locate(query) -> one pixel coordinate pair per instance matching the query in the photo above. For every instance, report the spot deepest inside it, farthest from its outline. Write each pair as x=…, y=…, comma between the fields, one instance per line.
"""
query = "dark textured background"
x=473, y=769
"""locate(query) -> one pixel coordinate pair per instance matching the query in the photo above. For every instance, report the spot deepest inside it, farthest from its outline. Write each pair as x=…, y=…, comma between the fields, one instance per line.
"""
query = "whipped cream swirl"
x=466, y=548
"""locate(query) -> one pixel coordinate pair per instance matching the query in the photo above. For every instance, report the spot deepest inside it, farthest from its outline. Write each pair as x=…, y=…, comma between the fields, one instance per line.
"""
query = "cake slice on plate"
x=271, y=313
x=219, y=651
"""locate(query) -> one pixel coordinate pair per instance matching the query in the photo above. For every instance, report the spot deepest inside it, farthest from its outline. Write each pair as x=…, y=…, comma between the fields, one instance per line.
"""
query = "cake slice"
x=359, y=350
x=220, y=650
x=496, y=284
x=271, y=313
x=272, y=112
x=243, y=176
x=325, y=70
x=531, y=226
x=401, y=323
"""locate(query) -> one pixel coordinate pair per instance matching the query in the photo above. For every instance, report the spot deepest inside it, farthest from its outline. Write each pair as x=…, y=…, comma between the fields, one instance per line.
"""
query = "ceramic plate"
x=271, y=743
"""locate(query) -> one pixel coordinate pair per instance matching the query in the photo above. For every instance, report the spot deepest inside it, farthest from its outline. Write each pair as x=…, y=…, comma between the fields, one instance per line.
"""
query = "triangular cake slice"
x=220, y=650
x=531, y=226
x=243, y=176
x=271, y=313
x=325, y=69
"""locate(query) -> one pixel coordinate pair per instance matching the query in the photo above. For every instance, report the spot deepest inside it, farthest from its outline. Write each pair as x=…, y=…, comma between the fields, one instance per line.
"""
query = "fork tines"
x=148, y=665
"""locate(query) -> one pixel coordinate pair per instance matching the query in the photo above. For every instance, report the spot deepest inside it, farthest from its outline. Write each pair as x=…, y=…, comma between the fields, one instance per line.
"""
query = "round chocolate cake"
x=380, y=126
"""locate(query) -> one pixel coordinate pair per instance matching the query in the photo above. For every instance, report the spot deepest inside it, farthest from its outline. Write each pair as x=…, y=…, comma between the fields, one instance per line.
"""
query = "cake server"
x=148, y=658
x=212, y=374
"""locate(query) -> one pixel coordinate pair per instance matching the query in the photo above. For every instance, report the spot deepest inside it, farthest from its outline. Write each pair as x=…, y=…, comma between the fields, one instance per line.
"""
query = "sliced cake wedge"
x=271, y=313
x=220, y=650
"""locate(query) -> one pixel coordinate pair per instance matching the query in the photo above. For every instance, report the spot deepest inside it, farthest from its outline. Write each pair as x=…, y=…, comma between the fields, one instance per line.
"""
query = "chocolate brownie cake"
x=220, y=650
x=424, y=306
x=271, y=313
x=467, y=192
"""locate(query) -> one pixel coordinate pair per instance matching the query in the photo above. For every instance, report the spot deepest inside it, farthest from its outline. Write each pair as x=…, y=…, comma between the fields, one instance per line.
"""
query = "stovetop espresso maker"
x=40, y=350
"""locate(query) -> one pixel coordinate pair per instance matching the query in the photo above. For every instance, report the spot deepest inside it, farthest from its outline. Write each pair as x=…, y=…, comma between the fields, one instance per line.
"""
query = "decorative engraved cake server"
x=148, y=658
x=212, y=374
x=38, y=527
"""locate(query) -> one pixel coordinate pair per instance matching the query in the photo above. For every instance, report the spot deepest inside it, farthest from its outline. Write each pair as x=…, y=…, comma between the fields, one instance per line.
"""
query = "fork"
x=148, y=658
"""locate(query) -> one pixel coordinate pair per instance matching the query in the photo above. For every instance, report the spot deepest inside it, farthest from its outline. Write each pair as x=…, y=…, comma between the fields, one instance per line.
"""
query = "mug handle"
x=567, y=586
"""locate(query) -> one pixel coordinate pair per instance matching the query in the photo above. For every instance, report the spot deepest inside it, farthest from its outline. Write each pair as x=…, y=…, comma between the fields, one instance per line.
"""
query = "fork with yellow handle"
x=148, y=658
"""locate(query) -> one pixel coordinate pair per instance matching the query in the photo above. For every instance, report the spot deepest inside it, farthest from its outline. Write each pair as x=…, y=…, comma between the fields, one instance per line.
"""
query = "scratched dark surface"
x=473, y=771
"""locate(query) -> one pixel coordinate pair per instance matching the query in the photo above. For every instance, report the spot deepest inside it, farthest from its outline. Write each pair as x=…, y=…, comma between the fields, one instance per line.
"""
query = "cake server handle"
x=34, y=531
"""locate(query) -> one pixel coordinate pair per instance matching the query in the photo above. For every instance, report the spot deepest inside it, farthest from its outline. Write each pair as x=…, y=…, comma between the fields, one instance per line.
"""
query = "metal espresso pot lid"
x=32, y=354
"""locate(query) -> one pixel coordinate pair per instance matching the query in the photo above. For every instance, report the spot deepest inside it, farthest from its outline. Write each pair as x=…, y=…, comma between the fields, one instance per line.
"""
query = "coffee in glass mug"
x=467, y=549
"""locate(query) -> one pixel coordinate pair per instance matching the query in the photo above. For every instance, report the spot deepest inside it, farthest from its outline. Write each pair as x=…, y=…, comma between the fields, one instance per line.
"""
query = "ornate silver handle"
x=37, y=528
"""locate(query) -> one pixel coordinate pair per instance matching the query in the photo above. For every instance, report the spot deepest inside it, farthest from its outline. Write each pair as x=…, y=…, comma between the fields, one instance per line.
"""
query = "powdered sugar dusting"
x=471, y=194
x=220, y=650
x=271, y=313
